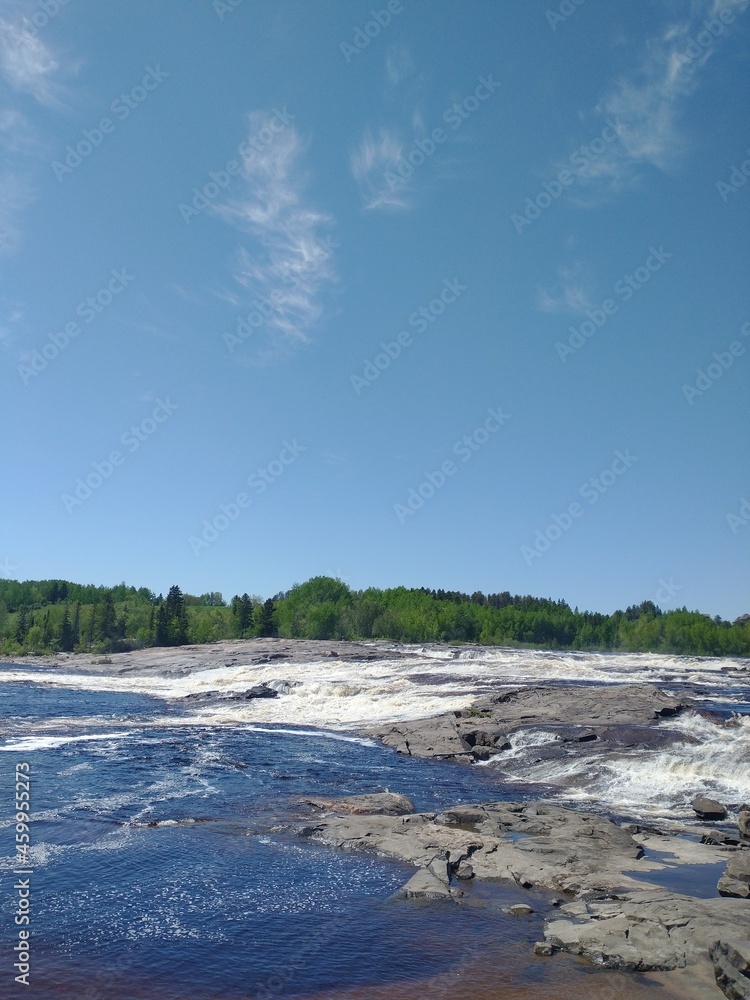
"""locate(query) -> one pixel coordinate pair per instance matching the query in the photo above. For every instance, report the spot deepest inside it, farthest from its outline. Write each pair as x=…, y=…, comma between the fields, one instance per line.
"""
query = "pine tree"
x=266, y=620
x=161, y=635
x=107, y=620
x=242, y=610
x=22, y=625
x=65, y=633
x=176, y=613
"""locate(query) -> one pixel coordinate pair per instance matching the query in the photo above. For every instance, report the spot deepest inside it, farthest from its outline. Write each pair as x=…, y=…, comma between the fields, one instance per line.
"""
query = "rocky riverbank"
x=606, y=910
x=569, y=726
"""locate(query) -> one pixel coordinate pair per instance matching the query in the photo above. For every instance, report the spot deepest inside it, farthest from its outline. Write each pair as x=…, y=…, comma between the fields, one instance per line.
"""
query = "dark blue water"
x=159, y=870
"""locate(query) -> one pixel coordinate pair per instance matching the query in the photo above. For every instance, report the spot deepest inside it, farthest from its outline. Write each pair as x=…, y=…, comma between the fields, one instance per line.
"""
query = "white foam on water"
x=336, y=693
x=713, y=761
x=339, y=737
x=524, y=738
x=28, y=743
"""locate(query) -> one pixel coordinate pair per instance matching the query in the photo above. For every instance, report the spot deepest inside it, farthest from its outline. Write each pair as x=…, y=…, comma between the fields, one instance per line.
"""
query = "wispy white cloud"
x=28, y=64
x=290, y=263
x=17, y=136
x=15, y=195
x=375, y=159
x=648, y=103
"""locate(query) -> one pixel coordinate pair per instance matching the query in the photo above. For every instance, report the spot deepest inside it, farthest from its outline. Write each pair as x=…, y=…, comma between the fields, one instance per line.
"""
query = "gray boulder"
x=732, y=968
x=708, y=808
x=424, y=885
x=743, y=820
x=736, y=879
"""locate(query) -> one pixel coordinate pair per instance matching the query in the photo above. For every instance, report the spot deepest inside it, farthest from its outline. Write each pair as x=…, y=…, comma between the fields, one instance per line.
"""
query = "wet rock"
x=719, y=838
x=736, y=879
x=519, y=910
x=543, y=948
x=257, y=691
x=731, y=960
x=464, y=871
x=437, y=737
x=424, y=885
x=708, y=809
x=743, y=821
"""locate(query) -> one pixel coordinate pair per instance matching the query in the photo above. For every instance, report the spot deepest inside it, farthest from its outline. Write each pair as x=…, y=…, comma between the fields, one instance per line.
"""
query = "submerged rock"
x=257, y=691
x=374, y=803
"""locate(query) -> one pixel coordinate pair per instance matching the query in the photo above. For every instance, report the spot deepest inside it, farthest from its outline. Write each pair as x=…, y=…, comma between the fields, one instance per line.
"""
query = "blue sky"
x=408, y=293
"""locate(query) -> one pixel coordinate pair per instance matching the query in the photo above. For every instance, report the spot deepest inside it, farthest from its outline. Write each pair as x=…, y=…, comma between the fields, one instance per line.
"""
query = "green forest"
x=49, y=616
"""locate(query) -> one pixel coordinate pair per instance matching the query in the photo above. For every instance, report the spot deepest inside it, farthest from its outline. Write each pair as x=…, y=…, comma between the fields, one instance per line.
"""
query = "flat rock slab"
x=648, y=930
x=583, y=715
x=532, y=844
x=438, y=737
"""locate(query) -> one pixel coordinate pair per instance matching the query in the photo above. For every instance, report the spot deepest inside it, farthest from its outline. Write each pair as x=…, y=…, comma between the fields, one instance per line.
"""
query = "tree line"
x=58, y=616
